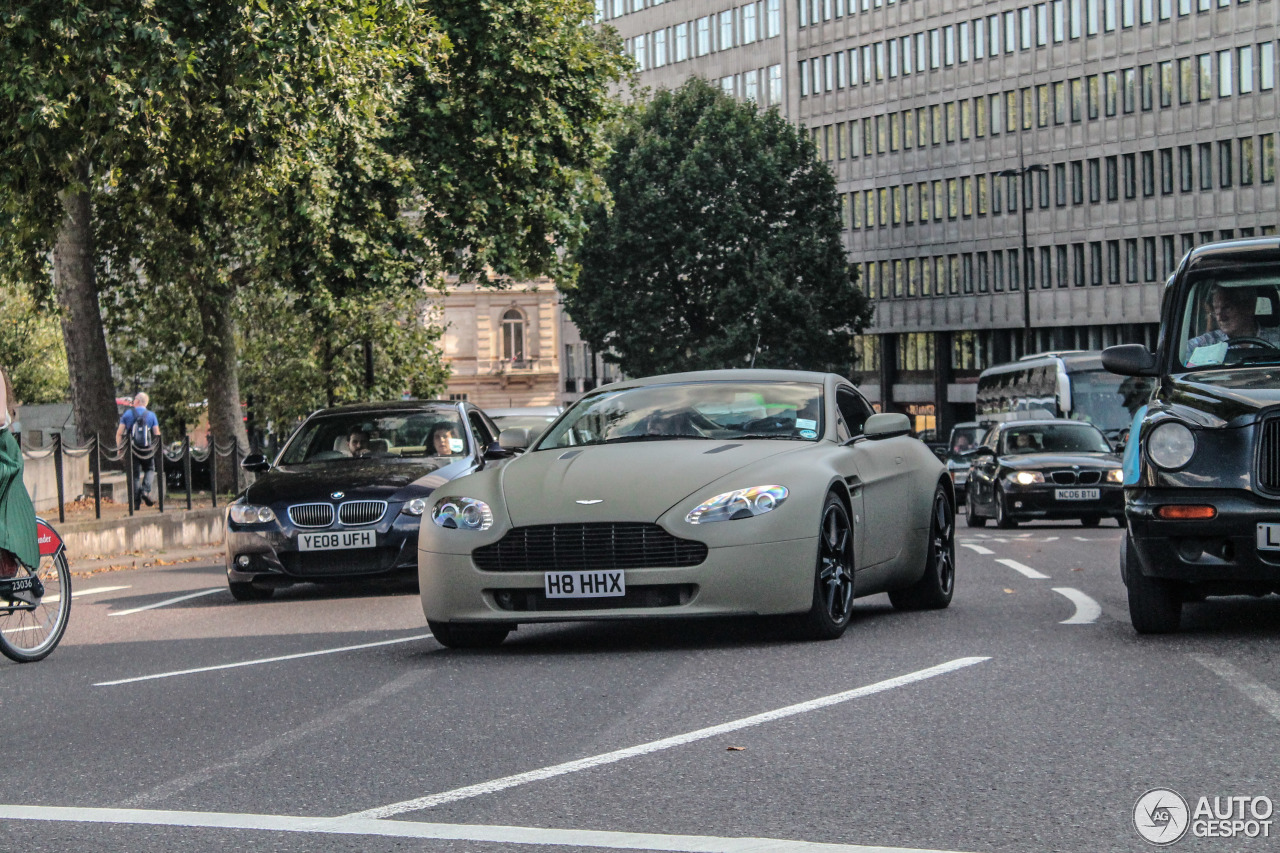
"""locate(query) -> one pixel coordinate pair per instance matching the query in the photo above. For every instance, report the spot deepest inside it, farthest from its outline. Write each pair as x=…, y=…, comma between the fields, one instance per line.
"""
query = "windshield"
x=702, y=410
x=1230, y=317
x=963, y=439
x=386, y=435
x=1053, y=438
x=1106, y=400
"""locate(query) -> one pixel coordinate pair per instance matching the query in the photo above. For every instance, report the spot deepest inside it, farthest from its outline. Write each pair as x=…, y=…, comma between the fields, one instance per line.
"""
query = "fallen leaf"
x=1078, y=569
x=1009, y=591
x=736, y=749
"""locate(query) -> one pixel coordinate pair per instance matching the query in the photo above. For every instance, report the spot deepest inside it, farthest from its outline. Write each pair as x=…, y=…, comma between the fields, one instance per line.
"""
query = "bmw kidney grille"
x=361, y=512
x=311, y=515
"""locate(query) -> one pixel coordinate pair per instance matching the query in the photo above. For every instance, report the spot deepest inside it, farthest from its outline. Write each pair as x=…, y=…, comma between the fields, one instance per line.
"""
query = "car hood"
x=1227, y=393
x=631, y=481
x=374, y=478
x=1029, y=461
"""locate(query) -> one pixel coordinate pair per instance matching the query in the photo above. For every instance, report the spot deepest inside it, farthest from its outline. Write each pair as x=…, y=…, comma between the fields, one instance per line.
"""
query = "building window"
x=997, y=194
x=773, y=18
x=1148, y=173
x=1206, y=165
x=1204, y=67
x=997, y=270
x=1044, y=189
x=1131, y=260
x=1246, y=70
x=681, y=42
x=1113, y=261
x=1226, y=75
x=1170, y=259
x=1091, y=83
x=1111, y=87
x=1148, y=87
x=1225, y=169
x=1095, y=263
x=1267, y=147
x=1128, y=89
x=1060, y=184
x=1186, y=80
x=1246, y=161
x=1185, y=179
x=513, y=335
x=704, y=36
x=1046, y=270
x=1014, y=278
x=1149, y=258
x=1267, y=66
x=1130, y=177
x=1166, y=171
x=1166, y=84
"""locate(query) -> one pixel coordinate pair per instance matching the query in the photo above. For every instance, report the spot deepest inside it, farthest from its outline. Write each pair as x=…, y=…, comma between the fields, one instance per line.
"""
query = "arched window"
x=513, y=335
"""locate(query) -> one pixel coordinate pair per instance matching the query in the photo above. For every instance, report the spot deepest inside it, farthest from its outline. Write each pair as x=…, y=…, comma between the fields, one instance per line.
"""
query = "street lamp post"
x=1023, y=203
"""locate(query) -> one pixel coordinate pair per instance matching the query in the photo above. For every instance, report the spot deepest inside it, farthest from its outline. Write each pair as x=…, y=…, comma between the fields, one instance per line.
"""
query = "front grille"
x=597, y=546
x=361, y=512
x=1064, y=478
x=1088, y=478
x=1070, y=478
x=1269, y=456
x=655, y=595
x=358, y=561
x=311, y=515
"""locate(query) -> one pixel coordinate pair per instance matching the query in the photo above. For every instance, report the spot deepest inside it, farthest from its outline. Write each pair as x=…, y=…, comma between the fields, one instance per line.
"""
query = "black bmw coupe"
x=1050, y=469
x=345, y=496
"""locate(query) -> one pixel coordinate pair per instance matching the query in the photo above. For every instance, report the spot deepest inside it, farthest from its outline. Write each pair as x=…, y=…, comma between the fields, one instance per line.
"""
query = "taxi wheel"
x=242, y=591
x=456, y=636
x=1155, y=605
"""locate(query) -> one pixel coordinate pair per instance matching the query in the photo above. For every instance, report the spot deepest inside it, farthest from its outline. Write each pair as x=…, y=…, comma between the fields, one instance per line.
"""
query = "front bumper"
x=271, y=551
x=757, y=579
x=1220, y=555
x=1041, y=501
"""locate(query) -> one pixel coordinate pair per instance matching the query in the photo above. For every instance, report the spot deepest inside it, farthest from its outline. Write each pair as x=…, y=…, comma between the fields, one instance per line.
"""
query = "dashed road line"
x=1260, y=694
x=167, y=602
x=440, y=831
x=261, y=661
x=1087, y=610
x=977, y=549
x=495, y=785
x=81, y=593
x=1022, y=569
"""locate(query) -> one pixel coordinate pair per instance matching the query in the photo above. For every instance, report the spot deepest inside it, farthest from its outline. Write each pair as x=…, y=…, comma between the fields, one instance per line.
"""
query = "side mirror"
x=516, y=438
x=886, y=425
x=978, y=451
x=497, y=451
x=1129, y=360
x=256, y=462
x=940, y=452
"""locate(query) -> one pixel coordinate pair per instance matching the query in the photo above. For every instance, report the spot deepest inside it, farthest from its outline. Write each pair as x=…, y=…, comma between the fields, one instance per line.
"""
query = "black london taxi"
x=1202, y=465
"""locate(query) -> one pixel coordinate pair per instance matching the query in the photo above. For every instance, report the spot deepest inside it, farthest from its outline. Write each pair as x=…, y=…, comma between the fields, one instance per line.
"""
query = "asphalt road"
x=1027, y=717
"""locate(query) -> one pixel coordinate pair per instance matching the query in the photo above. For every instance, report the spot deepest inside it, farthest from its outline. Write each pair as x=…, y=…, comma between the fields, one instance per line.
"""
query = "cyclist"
x=17, y=515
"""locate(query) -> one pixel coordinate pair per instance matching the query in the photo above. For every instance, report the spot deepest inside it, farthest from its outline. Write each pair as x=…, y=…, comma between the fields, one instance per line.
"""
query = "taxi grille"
x=597, y=546
x=1269, y=456
x=361, y=512
x=311, y=515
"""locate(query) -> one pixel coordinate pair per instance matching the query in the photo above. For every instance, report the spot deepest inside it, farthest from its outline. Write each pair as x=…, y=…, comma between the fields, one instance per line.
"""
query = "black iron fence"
x=183, y=469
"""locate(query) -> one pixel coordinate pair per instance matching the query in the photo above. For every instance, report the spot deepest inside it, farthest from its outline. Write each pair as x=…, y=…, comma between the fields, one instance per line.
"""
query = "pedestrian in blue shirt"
x=140, y=424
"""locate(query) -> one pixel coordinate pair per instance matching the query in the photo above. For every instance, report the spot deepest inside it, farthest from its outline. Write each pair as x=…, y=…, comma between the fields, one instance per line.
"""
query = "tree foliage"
x=31, y=347
x=722, y=247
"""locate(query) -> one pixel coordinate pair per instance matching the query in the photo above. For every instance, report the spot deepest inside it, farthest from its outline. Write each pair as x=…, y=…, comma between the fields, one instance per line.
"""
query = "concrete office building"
x=1073, y=147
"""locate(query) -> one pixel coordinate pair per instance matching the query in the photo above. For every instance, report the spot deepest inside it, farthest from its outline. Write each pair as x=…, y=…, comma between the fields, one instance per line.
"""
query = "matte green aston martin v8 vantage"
x=727, y=492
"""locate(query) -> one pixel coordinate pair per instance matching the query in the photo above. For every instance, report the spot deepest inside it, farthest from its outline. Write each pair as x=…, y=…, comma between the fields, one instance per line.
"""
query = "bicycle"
x=35, y=605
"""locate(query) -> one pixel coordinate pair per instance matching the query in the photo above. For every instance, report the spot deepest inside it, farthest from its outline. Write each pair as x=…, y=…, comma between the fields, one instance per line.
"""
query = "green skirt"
x=17, y=515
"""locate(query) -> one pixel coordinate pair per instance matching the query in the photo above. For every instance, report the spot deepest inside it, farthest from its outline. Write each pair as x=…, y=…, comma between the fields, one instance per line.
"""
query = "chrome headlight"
x=742, y=503
x=242, y=513
x=1026, y=478
x=1115, y=475
x=1171, y=445
x=462, y=514
x=417, y=506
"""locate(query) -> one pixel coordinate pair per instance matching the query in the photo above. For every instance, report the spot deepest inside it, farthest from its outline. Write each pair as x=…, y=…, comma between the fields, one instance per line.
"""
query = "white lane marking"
x=1087, y=610
x=495, y=785
x=166, y=602
x=1019, y=567
x=81, y=593
x=23, y=628
x=441, y=831
x=260, y=661
x=1082, y=538
x=1049, y=539
x=977, y=549
x=1260, y=694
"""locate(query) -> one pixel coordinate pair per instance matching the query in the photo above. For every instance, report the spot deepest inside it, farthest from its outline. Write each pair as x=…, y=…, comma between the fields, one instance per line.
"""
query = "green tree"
x=31, y=347
x=722, y=247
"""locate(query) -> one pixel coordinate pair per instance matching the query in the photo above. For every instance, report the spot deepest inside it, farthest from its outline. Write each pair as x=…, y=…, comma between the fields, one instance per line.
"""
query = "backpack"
x=139, y=432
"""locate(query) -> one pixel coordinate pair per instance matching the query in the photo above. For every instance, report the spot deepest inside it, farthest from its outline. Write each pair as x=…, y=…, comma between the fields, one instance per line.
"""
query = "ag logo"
x=1161, y=816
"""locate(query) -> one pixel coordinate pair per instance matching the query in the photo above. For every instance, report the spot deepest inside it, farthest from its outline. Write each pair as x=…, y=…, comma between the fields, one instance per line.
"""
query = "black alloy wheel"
x=936, y=586
x=971, y=517
x=833, y=575
x=1003, y=521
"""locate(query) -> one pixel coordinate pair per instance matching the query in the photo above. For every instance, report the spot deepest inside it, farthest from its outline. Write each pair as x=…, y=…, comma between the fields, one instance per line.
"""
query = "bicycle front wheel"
x=30, y=629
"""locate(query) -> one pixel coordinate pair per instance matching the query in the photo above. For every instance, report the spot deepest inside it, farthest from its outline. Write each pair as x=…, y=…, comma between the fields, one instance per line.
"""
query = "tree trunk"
x=93, y=397
x=222, y=377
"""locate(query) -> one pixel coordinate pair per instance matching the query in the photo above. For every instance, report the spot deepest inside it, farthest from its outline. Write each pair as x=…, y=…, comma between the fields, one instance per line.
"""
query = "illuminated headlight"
x=462, y=514
x=1115, y=475
x=417, y=506
x=1026, y=478
x=250, y=514
x=743, y=503
x=1171, y=445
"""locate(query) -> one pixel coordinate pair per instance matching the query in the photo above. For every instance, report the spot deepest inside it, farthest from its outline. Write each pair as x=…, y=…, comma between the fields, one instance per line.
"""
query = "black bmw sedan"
x=1049, y=469
x=345, y=496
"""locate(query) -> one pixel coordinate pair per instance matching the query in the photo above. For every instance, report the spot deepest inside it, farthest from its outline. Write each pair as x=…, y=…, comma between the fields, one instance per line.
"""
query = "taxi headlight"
x=462, y=514
x=742, y=503
x=1171, y=445
x=242, y=513
x=1026, y=478
x=1115, y=475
